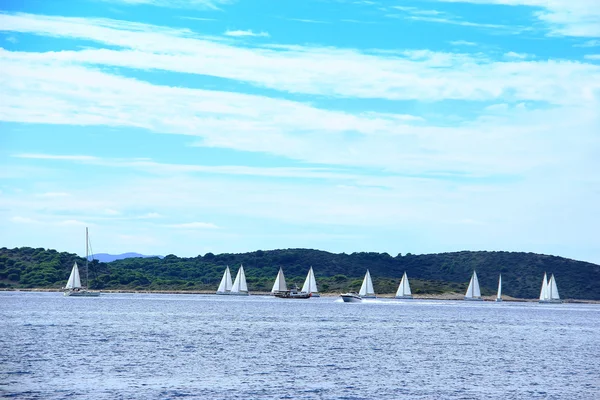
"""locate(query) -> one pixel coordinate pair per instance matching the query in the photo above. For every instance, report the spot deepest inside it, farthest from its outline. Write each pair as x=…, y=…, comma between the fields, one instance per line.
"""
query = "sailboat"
x=403, y=291
x=473, y=292
x=225, y=285
x=310, y=284
x=549, y=292
x=499, y=295
x=366, y=289
x=279, y=285
x=239, y=287
x=74, y=286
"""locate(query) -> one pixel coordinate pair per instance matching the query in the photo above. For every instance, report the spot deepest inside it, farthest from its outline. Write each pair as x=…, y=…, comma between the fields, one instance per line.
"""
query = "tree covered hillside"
x=429, y=273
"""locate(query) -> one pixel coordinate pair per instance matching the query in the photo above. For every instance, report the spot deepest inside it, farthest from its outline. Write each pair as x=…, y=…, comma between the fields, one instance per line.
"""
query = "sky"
x=226, y=126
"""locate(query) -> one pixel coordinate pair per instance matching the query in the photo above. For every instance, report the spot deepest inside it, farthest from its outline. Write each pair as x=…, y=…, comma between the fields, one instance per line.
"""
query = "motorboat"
x=351, y=297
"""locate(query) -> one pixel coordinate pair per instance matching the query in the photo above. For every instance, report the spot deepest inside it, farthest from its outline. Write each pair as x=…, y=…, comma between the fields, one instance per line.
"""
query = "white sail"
x=310, y=283
x=366, y=289
x=553, y=289
x=225, y=285
x=473, y=292
x=404, y=288
x=279, y=285
x=74, y=281
x=469, y=293
x=239, y=285
x=544, y=290
x=499, y=295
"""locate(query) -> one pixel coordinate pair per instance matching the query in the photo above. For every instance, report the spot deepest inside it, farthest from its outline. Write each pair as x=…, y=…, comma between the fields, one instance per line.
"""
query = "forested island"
x=27, y=267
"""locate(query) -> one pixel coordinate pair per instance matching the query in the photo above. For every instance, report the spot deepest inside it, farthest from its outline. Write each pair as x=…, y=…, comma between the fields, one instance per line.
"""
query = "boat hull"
x=223, y=293
x=550, y=301
x=315, y=295
x=292, y=295
x=81, y=293
x=403, y=297
x=351, y=298
x=238, y=293
x=473, y=299
x=498, y=300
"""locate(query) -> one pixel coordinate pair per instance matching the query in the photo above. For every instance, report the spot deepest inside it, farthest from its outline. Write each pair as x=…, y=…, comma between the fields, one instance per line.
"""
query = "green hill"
x=522, y=273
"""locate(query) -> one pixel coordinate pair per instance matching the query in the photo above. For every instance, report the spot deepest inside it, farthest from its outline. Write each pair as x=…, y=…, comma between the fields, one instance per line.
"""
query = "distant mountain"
x=103, y=257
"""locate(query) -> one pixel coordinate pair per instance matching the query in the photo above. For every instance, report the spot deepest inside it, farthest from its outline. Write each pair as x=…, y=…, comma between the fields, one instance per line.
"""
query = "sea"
x=163, y=346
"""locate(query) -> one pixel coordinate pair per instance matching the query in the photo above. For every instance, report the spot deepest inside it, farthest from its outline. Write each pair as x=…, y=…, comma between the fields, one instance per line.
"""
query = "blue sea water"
x=152, y=346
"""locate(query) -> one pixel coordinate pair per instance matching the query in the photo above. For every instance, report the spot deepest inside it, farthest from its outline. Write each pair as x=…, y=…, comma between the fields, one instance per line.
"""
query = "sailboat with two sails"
x=403, y=291
x=549, y=292
x=74, y=287
x=225, y=285
x=473, y=291
x=239, y=287
x=310, y=284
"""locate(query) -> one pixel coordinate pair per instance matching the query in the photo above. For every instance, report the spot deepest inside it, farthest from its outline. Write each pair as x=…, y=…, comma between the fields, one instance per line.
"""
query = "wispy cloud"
x=520, y=56
x=199, y=19
x=589, y=43
x=592, y=56
x=192, y=4
x=249, y=32
x=306, y=69
x=462, y=43
x=563, y=17
x=193, y=225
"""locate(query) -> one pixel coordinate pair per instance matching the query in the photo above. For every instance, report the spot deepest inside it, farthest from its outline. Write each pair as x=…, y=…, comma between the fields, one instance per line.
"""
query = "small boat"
x=473, y=292
x=279, y=286
x=310, y=284
x=351, y=297
x=74, y=287
x=225, y=285
x=549, y=292
x=366, y=289
x=239, y=287
x=292, y=294
x=403, y=291
x=499, y=295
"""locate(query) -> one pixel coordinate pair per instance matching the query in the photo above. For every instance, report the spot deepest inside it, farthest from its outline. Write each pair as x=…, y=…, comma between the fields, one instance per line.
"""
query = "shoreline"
x=390, y=296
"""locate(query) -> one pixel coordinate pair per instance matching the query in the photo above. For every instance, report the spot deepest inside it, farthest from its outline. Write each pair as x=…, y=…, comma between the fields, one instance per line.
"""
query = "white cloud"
x=193, y=4
x=520, y=56
x=592, y=56
x=462, y=43
x=43, y=91
x=249, y=32
x=563, y=17
x=589, y=43
x=312, y=70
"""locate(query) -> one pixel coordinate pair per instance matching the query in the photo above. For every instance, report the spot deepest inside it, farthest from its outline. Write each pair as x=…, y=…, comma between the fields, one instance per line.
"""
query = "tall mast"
x=87, y=281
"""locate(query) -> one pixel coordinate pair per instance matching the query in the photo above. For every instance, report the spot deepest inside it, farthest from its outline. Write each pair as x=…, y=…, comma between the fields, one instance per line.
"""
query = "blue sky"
x=195, y=126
